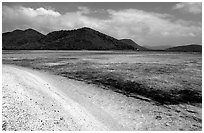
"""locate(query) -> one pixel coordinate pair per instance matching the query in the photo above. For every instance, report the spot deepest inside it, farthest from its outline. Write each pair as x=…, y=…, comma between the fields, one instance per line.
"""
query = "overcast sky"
x=148, y=24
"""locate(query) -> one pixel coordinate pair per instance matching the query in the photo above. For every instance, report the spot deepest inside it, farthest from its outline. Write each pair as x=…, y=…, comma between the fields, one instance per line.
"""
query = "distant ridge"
x=135, y=45
x=21, y=39
x=83, y=38
x=79, y=39
x=186, y=48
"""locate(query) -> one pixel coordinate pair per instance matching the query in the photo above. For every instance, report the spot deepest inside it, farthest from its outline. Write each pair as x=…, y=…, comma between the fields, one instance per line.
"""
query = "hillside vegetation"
x=79, y=39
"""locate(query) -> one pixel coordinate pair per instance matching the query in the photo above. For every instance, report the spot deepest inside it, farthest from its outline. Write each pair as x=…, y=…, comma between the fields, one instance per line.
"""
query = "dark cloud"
x=189, y=7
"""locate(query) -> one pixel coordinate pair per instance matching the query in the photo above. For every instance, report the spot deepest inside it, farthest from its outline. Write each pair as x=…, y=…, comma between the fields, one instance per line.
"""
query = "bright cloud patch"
x=141, y=26
x=30, y=11
x=149, y=23
x=192, y=7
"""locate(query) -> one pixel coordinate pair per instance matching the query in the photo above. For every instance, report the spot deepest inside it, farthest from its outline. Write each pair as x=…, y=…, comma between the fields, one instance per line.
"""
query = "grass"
x=165, y=78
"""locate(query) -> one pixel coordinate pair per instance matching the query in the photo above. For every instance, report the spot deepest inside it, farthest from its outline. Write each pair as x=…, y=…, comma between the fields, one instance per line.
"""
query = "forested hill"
x=78, y=39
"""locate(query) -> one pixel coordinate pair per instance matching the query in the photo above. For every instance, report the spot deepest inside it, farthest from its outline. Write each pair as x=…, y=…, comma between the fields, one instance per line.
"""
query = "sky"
x=149, y=24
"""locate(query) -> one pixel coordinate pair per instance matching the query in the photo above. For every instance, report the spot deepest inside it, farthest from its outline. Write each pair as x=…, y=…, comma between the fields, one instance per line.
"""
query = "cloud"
x=83, y=9
x=141, y=26
x=190, y=7
x=30, y=12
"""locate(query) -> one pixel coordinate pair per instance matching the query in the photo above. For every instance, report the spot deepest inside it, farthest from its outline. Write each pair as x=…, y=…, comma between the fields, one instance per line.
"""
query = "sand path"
x=39, y=101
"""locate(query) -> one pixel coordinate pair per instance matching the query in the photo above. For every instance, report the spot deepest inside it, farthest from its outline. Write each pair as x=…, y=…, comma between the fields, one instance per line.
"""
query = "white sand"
x=32, y=103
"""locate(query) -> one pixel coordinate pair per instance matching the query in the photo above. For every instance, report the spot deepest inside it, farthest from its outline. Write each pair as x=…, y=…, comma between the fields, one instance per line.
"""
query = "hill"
x=84, y=38
x=135, y=45
x=186, y=48
x=78, y=39
x=21, y=39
